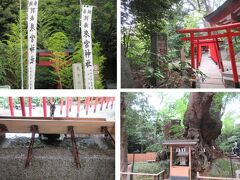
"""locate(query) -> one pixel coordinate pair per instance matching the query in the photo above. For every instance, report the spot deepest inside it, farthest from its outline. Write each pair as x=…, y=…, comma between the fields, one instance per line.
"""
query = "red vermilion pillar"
x=107, y=102
x=61, y=105
x=22, y=106
x=192, y=50
x=216, y=54
x=232, y=58
x=87, y=105
x=219, y=56
x=113, y=99
x=51, y=100
x=78, y=106
x=198, y=54
x=91, y=99
x=67, y=106
x=101, y=102
x=193, y=58
x=44, y=106
x=30, y=106
x=95, y=104
x=11, y=106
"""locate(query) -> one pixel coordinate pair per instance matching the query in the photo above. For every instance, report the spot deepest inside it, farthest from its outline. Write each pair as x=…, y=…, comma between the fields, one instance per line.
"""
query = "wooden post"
x=22, y=106
x=11, y=106
x=190, y=163
x=171, y=159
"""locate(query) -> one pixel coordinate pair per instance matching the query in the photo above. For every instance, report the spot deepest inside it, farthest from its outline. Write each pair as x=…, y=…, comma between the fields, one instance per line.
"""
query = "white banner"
x=87, y=46
x=32, y=41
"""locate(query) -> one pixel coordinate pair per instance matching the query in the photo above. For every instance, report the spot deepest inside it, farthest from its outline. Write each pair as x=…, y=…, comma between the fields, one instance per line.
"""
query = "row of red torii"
x=68, y=101
x=211, y=37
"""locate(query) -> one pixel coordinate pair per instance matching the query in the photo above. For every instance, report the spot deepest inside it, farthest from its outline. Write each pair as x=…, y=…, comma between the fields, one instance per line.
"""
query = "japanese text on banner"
x=32, y=41
x=87, y=46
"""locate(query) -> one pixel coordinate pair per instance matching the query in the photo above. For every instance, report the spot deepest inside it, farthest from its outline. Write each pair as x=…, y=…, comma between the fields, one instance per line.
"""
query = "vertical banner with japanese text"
x=87, y=46
x=32, y=41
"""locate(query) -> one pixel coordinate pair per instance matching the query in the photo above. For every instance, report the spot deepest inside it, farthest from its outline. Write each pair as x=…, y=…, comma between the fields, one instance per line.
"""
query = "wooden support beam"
x=34, y=130
x=58, y=127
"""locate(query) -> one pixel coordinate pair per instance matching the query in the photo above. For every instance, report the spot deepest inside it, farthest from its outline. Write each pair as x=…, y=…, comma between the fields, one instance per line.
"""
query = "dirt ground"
x=54, y=161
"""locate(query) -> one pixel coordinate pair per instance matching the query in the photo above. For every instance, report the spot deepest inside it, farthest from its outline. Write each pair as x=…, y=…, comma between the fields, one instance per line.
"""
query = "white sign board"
x=32, y=41
x=77, y=76
x=87, y=46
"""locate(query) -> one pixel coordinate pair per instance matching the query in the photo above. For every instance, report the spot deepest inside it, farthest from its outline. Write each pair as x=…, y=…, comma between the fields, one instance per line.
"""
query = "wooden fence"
x=135, y=176
x=144, y=157
x=214, y=178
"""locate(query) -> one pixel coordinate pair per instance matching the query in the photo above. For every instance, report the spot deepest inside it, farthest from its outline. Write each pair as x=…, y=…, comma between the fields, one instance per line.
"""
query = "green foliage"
x=154, y=148
x=58, y=30
x=45, y=28
x=9, y=10
x=177, y=131
x=228, y=124
x=57, y=42
x=44, y=78
x=140, y=122
x=150, y=13
x=173, y=109
x=222, y=168
x=12, y=63
x=151, y=168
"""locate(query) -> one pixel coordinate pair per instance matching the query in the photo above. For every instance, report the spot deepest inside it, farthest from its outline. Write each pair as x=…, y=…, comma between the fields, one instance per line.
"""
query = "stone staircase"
x=228, y=77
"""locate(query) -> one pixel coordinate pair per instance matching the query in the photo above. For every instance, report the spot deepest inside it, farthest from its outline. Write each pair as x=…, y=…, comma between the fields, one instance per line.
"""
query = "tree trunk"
x=124, y=149
x=202, y=121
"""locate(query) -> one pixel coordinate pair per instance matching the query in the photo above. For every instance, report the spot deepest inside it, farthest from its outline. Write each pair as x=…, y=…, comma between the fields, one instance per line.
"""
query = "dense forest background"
x=147, y=119
x=58, y=31
x=140, y=19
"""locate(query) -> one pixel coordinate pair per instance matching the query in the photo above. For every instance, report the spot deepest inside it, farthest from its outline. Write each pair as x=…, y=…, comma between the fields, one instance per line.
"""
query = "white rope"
x=21, y=44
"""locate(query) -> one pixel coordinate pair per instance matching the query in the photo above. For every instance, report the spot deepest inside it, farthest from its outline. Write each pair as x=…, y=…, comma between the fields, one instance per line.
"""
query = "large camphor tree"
x=202, y=121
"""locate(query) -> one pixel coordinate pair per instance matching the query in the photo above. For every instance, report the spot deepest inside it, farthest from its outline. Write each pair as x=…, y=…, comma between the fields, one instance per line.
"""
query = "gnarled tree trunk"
x=202, y=121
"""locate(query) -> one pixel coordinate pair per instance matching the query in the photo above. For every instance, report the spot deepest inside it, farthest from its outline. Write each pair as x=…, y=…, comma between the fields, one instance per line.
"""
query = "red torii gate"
x=210, y=36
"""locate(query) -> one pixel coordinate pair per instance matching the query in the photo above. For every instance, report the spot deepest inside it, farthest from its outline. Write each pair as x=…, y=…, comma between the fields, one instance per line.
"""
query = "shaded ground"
x=56, y=161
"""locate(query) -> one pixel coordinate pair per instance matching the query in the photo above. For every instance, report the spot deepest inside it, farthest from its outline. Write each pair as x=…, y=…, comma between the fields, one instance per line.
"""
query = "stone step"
x=229, y=74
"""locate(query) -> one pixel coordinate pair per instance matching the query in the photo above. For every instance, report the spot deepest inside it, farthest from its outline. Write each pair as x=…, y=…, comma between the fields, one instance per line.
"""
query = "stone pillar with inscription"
x=159, y=44
x=158, y=50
